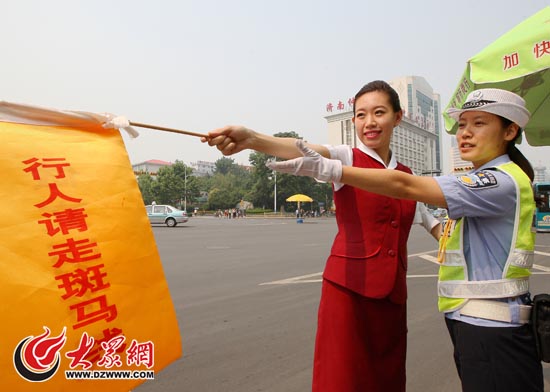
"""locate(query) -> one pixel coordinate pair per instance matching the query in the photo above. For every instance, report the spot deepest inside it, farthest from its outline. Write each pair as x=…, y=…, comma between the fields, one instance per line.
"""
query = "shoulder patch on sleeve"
x=480, y=179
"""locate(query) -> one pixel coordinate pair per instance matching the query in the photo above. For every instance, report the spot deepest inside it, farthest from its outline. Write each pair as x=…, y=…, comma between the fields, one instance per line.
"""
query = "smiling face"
x=374, y=121
x=482, y=137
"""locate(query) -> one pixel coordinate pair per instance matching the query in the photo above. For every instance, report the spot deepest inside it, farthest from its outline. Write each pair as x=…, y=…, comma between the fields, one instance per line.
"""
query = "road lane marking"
x=296, y=279
x=430, y=258
x=422, y=276
x=541, y=267
x=423, y=255
x=299, y=279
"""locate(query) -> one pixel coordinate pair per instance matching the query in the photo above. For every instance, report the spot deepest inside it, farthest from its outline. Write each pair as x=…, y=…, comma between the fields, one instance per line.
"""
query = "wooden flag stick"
x=135, y=124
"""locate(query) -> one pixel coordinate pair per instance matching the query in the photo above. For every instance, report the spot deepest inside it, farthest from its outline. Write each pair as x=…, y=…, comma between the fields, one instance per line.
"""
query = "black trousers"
x=496, y=359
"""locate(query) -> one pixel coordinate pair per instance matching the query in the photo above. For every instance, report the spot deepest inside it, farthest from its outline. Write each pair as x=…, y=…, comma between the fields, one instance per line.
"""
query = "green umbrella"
x=518, y=61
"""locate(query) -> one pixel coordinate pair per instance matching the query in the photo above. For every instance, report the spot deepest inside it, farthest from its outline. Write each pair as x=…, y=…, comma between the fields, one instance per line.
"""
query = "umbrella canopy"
x=518, y=61
x=299, y=197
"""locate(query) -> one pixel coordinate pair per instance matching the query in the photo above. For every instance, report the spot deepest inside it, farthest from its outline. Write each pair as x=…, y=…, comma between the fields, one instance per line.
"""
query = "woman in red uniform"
x=361, y=333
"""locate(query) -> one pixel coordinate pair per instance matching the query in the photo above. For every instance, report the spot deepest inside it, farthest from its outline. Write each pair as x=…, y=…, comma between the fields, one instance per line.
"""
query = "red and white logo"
x=37, y=359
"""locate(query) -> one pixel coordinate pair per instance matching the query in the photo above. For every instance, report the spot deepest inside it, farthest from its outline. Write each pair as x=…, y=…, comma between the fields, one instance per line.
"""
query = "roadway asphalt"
x=246, y=293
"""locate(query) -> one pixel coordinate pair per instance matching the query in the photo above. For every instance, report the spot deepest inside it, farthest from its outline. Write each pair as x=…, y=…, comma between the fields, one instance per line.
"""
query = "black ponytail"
x=515, y=154
x=519, y=159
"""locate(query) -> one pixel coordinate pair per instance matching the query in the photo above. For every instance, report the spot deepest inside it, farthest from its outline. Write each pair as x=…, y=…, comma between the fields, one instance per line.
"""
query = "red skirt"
x=361, y=343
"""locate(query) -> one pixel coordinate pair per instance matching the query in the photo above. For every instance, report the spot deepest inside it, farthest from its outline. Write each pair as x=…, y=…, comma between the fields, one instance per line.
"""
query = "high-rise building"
x=416, y=141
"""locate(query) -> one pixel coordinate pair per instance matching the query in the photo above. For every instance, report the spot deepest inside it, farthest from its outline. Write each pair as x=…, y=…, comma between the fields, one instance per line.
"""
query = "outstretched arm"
x=393, y=183
x=233, y=139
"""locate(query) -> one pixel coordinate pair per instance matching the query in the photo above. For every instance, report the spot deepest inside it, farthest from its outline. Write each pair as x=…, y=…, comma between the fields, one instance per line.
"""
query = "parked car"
x=166, y=214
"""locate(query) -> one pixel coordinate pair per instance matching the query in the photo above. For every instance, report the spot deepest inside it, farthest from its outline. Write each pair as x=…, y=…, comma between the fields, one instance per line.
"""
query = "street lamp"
x=184, y=188
x=275, y=192
x=274, y=188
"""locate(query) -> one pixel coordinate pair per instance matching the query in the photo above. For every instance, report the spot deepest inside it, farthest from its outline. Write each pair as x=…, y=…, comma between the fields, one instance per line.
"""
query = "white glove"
x=119, y=122
x=312, y=164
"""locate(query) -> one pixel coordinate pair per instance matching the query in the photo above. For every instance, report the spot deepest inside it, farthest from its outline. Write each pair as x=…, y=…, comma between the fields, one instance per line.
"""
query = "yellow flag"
x=85, y=304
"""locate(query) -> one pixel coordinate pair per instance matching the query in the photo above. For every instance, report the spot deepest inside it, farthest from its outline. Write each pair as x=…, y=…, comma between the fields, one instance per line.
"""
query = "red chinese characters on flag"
x=93, y=310
x=35, y=163
x=78, y=282
x=55, y=193
x=74, y=251
x=63, y=221
x=511, y=61
x=542, y=48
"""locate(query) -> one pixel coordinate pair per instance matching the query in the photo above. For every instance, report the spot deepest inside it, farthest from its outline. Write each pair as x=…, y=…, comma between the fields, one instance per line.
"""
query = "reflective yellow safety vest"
x=454, y=287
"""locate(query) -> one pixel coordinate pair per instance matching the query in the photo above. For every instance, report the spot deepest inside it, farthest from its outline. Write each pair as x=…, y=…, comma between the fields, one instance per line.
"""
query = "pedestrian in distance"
x=487, y=247
x=361, y=332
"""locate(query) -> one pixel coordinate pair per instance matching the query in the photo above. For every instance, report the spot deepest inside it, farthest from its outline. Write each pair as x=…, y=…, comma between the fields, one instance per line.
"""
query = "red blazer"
x=369, y=253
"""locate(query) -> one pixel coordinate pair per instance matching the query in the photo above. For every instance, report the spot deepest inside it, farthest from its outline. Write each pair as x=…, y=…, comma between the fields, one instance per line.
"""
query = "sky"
x=272, y=66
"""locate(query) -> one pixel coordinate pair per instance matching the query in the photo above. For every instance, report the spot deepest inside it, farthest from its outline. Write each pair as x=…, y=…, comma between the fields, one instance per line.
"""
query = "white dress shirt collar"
x=373, y=154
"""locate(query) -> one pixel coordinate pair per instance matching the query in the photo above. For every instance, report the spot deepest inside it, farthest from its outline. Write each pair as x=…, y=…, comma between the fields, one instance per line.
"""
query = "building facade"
x=149, y=167
x=203, y=168
x=416, y=141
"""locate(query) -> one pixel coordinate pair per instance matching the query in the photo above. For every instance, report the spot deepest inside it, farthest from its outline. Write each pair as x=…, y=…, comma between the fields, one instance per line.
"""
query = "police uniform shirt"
x=487, y=198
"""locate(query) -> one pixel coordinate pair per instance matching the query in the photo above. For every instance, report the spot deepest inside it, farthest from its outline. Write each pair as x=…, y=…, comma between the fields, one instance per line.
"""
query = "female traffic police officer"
x=487, y=247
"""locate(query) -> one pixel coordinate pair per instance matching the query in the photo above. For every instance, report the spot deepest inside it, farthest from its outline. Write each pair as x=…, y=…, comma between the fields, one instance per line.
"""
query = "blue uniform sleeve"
x=486, y=193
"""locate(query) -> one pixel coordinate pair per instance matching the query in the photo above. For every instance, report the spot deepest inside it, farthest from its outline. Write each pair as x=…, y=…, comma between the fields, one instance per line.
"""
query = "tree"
x=190, y=190
x=287, y=184
x=226, y=165
x=228, y=186
x=170, y=186
x=261, y=191
x=225, y=193
x=146, y=185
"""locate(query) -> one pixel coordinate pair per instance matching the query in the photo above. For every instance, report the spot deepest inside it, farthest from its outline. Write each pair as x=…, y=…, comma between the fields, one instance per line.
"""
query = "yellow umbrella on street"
x=299, y=198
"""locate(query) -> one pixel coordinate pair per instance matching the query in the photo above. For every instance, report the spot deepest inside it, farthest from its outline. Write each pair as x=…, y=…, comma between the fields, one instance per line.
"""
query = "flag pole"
x=141, y=125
